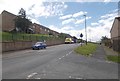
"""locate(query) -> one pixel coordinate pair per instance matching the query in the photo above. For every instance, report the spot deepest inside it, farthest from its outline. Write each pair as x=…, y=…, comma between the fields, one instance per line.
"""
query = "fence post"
x=30, y=37
x=23, y=37
x=12, y=37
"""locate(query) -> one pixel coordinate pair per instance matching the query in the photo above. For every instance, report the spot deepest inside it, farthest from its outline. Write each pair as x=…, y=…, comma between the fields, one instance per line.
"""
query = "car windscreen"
x=38, y=44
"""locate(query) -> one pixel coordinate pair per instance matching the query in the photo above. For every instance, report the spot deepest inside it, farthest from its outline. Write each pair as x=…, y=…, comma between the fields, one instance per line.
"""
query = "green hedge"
x=26, y=37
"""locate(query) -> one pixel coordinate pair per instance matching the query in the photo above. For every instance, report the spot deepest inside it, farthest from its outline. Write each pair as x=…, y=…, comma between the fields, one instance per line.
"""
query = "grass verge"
x=86, y=50
x=113, y=58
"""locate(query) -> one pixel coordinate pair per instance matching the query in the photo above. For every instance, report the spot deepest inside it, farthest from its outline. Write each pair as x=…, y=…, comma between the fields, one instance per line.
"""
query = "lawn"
x=86, y=50
x=113, y=58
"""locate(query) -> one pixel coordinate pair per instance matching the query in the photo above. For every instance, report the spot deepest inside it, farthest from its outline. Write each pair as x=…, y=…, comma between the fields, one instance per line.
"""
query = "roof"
x=118, y=18
x=4, y=11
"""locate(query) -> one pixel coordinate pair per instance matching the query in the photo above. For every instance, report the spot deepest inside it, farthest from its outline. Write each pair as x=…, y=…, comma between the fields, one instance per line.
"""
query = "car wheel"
x=33, y=48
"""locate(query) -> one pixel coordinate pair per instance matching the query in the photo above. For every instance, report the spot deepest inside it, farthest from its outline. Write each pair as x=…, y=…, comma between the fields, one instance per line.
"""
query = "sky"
x=67, y=16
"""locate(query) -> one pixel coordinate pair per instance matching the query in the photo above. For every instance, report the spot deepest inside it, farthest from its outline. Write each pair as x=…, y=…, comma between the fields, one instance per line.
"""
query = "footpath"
x=102, y=52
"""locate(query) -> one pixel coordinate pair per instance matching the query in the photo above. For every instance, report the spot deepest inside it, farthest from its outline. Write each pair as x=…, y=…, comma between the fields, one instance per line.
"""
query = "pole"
x=85, y=29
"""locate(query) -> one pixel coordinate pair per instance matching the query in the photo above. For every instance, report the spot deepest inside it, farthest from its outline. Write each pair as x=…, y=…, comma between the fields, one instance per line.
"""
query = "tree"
x=22, y=13
x=106, y=41
x=21, y=22
x=103, y=39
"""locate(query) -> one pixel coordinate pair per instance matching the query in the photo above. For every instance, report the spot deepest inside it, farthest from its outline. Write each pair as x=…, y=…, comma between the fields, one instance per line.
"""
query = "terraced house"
x=7, y=23
x=115, y=34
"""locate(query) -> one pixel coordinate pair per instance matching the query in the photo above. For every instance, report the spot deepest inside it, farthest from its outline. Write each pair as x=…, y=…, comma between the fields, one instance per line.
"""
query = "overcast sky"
x=67, y=16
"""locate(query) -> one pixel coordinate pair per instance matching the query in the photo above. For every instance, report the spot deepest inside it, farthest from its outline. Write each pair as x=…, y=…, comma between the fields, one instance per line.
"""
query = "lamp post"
x=85, y=29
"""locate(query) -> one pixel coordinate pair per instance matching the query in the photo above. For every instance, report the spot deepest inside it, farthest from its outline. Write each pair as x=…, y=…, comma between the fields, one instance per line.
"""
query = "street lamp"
x=85, y=29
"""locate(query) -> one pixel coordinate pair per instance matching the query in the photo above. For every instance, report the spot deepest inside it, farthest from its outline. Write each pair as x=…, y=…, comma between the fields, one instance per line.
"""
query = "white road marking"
x=66, y=55
x=59, y=58
x=70, y=77
x=70, y=52
x=31, y=75
x=44, y=74
x=37, y=78
x=108, y=62
x=78, y=78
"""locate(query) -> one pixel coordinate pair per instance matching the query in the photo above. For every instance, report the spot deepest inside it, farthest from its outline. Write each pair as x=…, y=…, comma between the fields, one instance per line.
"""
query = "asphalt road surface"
x=56, y=62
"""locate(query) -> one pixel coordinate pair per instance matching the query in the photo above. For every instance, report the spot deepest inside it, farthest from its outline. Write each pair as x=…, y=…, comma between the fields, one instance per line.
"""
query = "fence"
x=27, y=37
x=23, y=41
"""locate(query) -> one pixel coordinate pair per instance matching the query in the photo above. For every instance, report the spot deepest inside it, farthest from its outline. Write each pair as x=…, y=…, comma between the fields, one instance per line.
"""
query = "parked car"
x=39, y=45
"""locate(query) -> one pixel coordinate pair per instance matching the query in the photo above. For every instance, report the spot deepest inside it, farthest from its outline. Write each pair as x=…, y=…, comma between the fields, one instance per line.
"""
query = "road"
x=56, y=62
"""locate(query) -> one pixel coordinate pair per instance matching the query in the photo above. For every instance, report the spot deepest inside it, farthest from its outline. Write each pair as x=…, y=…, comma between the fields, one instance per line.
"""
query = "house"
x=115, y=34
x=7, y=23
x=39, y=29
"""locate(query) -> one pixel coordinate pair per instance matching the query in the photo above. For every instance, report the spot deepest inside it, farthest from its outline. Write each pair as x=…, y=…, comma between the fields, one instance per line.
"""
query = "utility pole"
x=85, y=29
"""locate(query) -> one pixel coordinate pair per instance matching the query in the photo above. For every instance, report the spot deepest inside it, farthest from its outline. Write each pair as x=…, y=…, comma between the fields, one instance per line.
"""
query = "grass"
x=86, y=50
x=25, y=37
x=113, y=58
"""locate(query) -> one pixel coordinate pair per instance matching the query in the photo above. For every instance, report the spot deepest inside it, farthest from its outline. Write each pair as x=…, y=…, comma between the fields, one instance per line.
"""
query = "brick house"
x=7, y=24
x=115, y=34
x=39, y=29
x=7, y=21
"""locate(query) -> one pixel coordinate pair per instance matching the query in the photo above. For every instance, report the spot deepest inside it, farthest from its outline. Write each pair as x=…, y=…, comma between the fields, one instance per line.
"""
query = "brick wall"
x=19, y=45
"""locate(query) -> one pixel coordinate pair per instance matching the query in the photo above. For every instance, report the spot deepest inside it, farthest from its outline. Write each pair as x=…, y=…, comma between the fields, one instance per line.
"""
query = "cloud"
x=68, y=21
x=34, y=8
x=73, y=18
x=107, y=0
x=49, y=9
x=94, y=32
x=79, y=14
x=102, y=27
x=79, y=21
x=73, y=15
x=95, y=0
x=94, y=24
x=65, y=17
x=13, y=6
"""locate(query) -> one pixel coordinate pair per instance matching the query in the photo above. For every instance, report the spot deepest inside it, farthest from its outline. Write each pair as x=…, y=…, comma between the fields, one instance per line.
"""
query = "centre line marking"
x=31, y=75
x=78, y=78
x=59, y=58
x=37, y=78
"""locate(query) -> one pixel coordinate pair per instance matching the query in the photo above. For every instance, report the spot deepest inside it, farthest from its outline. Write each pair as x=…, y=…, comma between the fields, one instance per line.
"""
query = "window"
x=45, y=30
x=48, y=30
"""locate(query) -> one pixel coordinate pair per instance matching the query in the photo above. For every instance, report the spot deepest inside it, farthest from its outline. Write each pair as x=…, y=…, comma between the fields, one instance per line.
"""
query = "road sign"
x=81, y=35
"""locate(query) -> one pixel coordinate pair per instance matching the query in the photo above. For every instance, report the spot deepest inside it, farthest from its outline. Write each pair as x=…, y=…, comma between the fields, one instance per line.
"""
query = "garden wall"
x=19, y=45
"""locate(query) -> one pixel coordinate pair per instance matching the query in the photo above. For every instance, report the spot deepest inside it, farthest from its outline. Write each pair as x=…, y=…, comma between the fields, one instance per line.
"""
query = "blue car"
x=39, y=45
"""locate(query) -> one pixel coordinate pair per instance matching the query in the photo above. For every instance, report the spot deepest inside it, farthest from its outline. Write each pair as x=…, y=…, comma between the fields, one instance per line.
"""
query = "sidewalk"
x=109, y=51
x=100, y=53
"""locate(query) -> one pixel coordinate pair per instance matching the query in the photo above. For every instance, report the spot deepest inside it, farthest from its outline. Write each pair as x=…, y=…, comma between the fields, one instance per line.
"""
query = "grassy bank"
x=113, y=58
x=86, y=50
x=25, y=37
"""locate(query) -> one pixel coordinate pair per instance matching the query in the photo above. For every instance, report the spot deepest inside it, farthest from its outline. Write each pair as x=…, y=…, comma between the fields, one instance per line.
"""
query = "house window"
x=48, y=31
x=40, y=28
x=45, y=30
x=33, y=26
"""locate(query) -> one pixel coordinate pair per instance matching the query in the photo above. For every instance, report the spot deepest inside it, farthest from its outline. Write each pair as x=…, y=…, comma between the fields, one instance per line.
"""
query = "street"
x=56, y=62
